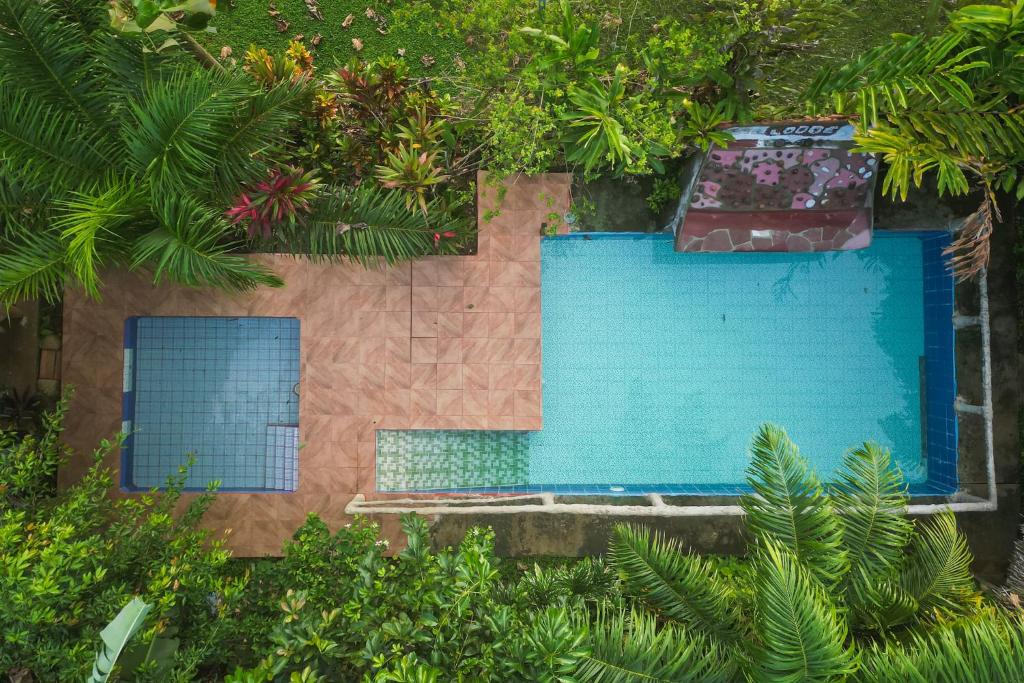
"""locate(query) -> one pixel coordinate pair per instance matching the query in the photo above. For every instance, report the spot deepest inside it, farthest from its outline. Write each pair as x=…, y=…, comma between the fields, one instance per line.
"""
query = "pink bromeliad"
x=282, y=198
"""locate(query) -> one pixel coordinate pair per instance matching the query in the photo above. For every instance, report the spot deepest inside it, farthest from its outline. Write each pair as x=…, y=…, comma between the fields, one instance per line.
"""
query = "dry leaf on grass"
x=427, y=60
x=357, y=44
x=225, y=52
x=315, y=40
x=347, y=21
x=313, y=7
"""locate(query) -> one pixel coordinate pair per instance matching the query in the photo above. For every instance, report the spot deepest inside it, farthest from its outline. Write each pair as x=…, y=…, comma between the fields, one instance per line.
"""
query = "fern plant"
x=836, y=569
x=948, y=104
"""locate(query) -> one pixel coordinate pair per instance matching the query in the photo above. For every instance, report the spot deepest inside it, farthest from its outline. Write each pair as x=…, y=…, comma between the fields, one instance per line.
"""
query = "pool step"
x=282, y=457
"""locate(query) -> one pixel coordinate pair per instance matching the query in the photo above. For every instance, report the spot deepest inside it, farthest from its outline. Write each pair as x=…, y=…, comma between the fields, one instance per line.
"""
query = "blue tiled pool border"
x=940, y=377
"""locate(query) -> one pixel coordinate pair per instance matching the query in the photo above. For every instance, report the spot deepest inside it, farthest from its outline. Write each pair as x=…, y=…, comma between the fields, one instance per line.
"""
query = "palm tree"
x=844, y=586
x=117, y=150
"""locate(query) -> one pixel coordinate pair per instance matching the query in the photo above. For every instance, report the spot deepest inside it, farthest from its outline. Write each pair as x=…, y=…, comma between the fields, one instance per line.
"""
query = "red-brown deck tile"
x=424, y=323
x=424, y=350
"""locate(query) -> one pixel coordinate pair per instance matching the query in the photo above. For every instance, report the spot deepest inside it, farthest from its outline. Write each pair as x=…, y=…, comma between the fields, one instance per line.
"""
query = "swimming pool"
x=658, y=367
x=221, y=389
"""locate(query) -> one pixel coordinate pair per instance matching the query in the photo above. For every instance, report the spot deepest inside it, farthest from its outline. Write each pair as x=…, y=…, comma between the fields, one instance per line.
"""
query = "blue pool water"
x=659, y=366
x=222, y=389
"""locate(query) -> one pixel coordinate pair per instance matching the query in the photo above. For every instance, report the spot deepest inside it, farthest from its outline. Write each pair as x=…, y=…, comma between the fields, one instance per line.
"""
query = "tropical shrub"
x=69, y=563
x=836, y=569
x=29, y=461
x=349, y=613
x=947, y=104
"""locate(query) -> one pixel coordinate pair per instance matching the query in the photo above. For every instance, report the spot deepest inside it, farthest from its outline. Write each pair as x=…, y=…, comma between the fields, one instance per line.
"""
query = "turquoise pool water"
x=664, y=364
x=659, y=366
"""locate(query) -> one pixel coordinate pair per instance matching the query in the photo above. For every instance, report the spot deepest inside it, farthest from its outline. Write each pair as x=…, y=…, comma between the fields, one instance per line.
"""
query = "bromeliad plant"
x=948, y=104
x=840, y=578
x=282, y=199
x=412, y=171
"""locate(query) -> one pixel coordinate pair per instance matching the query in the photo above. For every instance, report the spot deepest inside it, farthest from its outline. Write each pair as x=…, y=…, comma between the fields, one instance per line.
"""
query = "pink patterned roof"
x=780, y=187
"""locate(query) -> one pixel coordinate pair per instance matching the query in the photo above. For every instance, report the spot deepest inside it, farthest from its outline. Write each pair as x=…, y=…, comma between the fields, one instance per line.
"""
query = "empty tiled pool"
x=659, y=366
x=222, y=389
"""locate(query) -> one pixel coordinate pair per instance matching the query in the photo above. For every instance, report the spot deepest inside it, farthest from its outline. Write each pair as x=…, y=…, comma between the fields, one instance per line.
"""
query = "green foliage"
x=662, y=193
x=938, y=571
x=870, y=495
x=679, y=586
x=789, y=506
x=29, y=462
x=108, y=169
x=802, y=635
x=365, y=222
x=988, y=647
x=522, y=137
x=115, y=637
x=945, y=104
x=70, y=562
x=123, y=152
x=420, y=614
x=829, y=574
x=630, y=646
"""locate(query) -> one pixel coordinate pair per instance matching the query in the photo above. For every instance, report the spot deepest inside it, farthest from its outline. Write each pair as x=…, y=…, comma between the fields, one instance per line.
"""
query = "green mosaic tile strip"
x=420, y=460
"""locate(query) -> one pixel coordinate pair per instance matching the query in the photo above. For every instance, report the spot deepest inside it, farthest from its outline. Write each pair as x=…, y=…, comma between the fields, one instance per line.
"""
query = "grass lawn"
x=242, y=23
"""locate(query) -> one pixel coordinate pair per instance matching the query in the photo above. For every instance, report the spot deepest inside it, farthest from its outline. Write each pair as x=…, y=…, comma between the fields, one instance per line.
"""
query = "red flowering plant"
x=283, y=198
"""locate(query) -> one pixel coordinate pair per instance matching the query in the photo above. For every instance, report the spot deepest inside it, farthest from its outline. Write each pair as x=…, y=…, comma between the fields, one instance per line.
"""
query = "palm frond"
x=46, y=57
x=790, y=506
x=188, y=248
x=262, y=117
x=632, y=648
x=42, y=146
x=870, y=496
x=982, y=649
x=889, y=76
x=20, y=209
x=369, y=222
x=679, y=586
x=972, y=135
x=938, y=571
x=130, y=70
x=175, y=132
x=801, y=632
x=87, y=13
x=32, y=266
x=92, y=225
